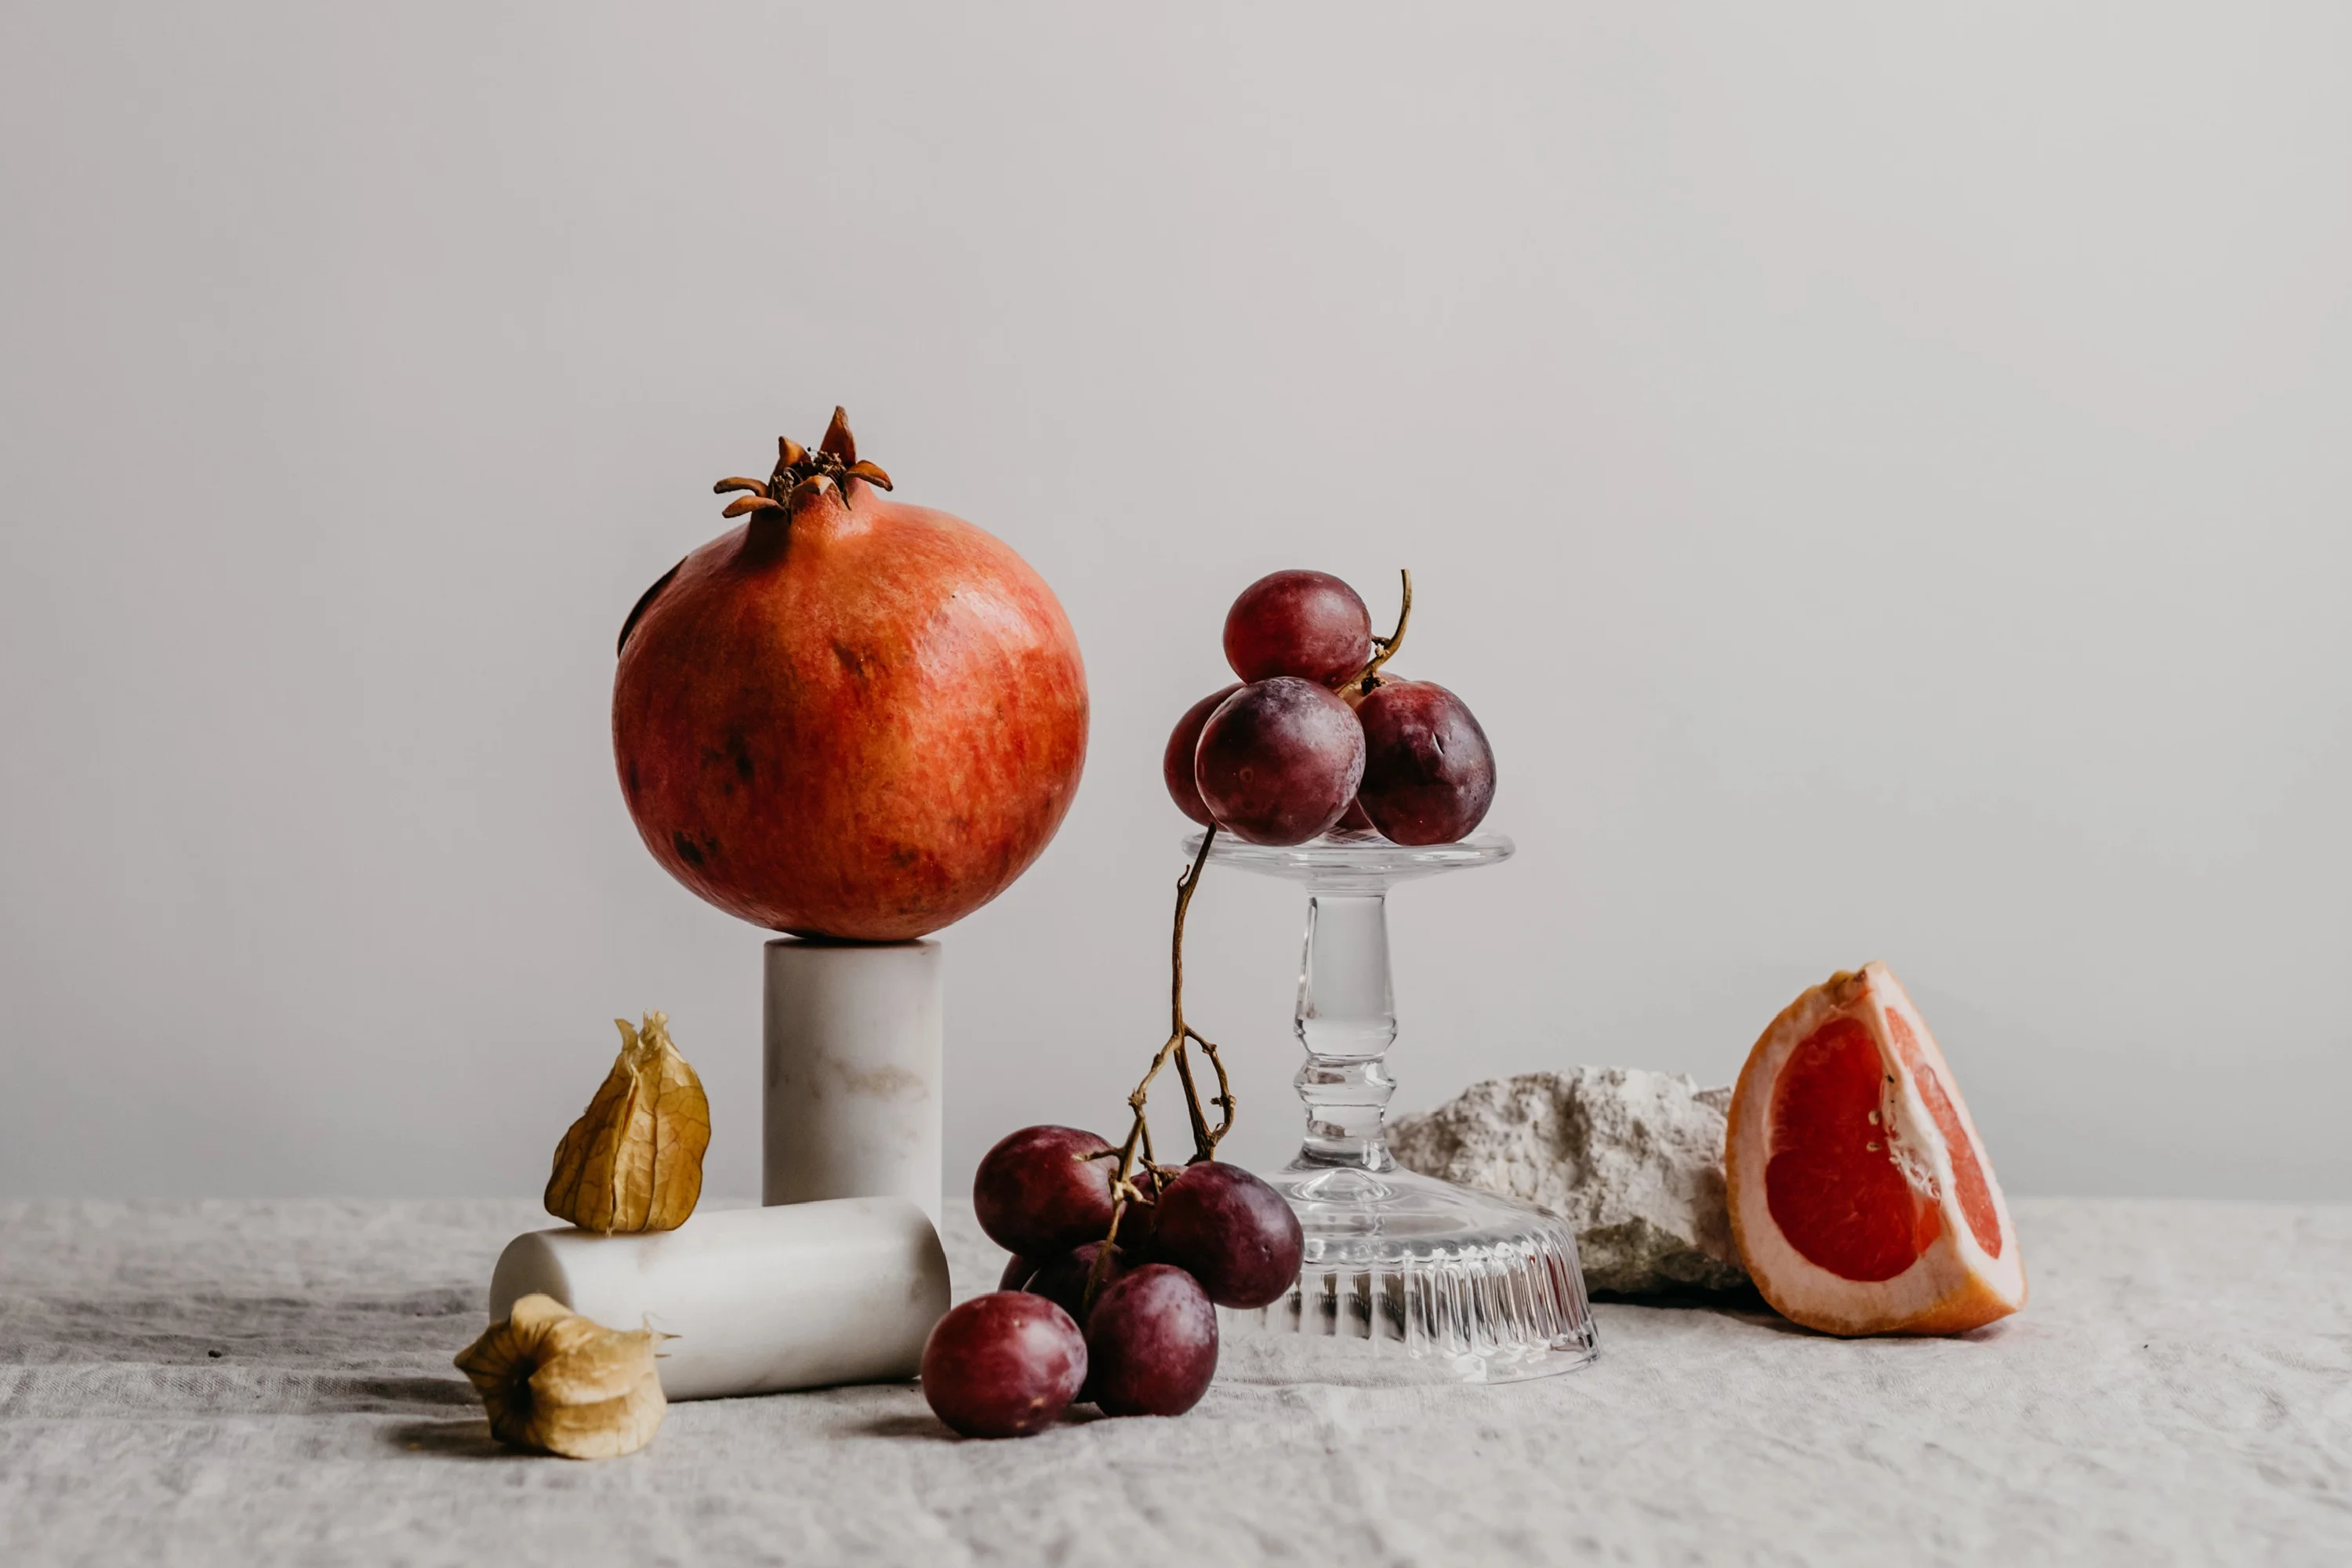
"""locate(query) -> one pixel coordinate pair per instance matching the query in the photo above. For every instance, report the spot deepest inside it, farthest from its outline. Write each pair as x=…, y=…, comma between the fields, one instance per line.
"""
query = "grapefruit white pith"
x=1862, y=1200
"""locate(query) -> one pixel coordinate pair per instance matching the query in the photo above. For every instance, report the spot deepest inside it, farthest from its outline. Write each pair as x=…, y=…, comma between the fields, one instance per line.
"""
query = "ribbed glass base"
x=1451, y=1284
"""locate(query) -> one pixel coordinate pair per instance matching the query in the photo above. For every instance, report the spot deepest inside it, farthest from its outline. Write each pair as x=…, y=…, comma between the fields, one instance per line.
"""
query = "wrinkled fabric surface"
x=270, y=1382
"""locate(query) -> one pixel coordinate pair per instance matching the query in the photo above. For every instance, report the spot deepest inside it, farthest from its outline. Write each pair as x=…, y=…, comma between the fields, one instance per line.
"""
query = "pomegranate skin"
x=850, y=718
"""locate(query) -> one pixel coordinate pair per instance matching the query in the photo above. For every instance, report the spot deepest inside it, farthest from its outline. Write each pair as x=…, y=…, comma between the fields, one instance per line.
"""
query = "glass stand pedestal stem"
x=1444, y=1281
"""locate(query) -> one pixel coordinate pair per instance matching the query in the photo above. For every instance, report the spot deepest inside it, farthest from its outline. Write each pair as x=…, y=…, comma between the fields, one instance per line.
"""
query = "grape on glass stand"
x=1306, y=623
x=1279, y=760
x=1429, y=774
x=1176, y=763
x=1317, y=740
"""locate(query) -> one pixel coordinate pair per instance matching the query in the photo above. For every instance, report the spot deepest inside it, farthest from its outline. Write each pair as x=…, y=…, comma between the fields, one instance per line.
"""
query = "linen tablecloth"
x=270, y=1382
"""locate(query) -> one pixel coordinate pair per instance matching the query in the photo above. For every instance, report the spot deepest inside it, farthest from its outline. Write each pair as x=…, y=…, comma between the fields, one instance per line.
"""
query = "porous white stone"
x=1634, y=1159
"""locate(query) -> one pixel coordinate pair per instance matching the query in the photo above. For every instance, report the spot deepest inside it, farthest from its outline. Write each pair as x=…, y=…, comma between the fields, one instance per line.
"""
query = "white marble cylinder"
x=855, y=1072
x=759, y=1299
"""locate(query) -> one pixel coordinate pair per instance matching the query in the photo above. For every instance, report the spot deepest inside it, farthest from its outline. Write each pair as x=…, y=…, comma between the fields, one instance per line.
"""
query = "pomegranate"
x=848, y=718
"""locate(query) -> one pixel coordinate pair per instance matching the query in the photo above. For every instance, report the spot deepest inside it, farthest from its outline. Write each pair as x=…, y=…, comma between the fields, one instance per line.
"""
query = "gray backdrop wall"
x=1880, y=474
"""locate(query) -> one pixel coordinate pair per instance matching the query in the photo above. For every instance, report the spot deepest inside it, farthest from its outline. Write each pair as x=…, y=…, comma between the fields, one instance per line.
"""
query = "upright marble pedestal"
x=854, y=1072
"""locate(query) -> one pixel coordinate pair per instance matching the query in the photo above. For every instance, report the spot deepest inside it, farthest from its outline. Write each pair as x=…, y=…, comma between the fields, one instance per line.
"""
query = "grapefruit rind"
x=1955, y=1283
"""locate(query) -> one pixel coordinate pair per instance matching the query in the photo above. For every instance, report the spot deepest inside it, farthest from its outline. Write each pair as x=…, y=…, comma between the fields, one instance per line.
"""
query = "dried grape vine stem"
x=1177, y=1048
x=1182, y=1036
x=1384, y=648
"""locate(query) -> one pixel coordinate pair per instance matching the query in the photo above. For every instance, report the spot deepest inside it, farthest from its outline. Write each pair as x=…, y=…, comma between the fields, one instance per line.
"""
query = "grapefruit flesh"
x=1831, y=1189
x=1862, y=1199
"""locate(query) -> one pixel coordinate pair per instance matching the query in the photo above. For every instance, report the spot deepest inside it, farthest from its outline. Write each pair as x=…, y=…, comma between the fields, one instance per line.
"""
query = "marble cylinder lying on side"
x=854, y=1072
x=760, y=1300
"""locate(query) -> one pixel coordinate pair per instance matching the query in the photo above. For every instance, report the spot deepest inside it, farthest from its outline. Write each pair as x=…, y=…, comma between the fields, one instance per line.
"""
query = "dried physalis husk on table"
x=556, y=1382
x=633, y=1160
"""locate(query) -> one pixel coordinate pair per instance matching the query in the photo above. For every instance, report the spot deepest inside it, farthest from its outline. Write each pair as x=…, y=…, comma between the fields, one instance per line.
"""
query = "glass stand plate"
x=1481, y=1289
x=1441, y=1282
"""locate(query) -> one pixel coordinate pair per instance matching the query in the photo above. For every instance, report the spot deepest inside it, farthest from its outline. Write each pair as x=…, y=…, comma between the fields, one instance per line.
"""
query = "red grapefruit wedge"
x=1862, y=1200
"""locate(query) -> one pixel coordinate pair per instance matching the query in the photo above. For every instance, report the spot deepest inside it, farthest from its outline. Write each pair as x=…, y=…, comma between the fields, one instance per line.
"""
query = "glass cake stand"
x=1445, y=1281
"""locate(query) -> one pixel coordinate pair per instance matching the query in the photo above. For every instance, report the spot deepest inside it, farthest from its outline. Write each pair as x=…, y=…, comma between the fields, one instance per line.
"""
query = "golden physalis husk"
x=633, y=1160
x=555, y=1383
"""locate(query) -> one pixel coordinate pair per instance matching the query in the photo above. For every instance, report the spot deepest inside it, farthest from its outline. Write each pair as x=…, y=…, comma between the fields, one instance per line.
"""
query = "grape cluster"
x=1111, y=1295
x=1315, y=739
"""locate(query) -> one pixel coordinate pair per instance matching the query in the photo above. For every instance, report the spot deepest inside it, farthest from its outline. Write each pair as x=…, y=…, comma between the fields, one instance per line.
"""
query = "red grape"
x=1063, y=1281
x=1354, y=819
x=1151, y=1343
x=1279, y=761
x=1039, y=1195
x=1306, y=624
x=1003, y=1364
x=1429, y=774
x=1176, y=763
x=1017, y=1271
x=1232, y=1233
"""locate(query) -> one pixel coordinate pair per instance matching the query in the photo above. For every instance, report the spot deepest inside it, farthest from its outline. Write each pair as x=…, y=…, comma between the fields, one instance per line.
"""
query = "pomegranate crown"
x=801, y=473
